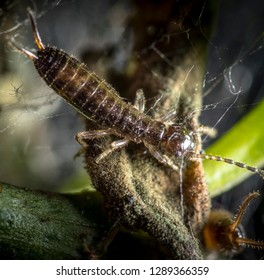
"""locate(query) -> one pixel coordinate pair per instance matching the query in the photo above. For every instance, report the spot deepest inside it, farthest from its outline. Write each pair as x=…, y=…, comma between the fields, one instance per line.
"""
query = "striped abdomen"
x=94, y=97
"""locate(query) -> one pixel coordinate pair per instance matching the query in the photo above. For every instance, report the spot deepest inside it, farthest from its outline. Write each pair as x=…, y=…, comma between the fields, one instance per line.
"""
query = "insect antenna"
x=242, y=209
x=237, y=220
x=250, y=242
x=230, y=161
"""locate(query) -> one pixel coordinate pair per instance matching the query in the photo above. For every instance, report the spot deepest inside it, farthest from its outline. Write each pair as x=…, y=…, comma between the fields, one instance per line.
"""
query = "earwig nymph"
x=168, y=142
x=94, y=98
x=224, y=234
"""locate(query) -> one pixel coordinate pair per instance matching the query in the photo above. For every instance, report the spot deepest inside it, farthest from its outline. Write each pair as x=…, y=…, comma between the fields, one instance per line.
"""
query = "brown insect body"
x=97, y=100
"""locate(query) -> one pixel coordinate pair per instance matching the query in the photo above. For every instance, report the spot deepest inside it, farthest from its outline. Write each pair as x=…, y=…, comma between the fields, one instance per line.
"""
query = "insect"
x=94, y=98
x=223, y=233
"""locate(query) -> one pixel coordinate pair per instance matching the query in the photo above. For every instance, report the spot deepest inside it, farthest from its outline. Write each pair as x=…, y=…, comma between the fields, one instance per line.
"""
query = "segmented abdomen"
x=94, y=97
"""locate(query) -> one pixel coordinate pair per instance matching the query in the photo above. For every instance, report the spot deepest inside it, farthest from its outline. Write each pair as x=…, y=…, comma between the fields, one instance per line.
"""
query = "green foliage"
x=243, y=143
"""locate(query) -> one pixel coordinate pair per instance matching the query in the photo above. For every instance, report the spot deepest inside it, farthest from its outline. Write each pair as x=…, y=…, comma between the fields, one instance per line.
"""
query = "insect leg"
x=81, y=137
x=140, y=101
x=162, y=158
x=116, y=145
x=207, y=130
x=169, y=116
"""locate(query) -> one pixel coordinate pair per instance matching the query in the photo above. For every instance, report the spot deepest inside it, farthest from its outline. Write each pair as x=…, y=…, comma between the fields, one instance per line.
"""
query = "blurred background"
x=37, y=129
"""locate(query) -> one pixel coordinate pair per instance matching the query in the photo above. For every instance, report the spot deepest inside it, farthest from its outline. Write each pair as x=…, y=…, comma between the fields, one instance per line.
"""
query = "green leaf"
x=243, y=143
x=42, y=225
x=77, y=183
